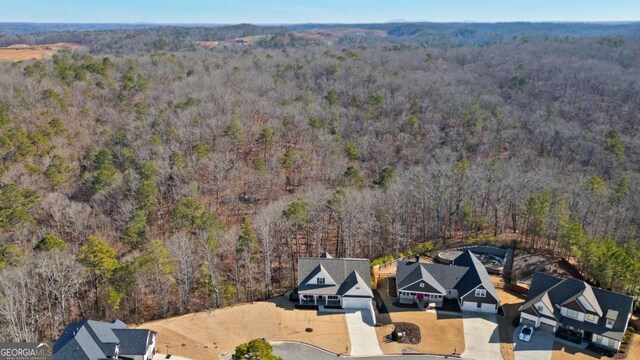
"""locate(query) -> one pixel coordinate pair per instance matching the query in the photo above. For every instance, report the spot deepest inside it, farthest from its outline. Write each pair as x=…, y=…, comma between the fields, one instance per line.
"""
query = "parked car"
x=525, y=333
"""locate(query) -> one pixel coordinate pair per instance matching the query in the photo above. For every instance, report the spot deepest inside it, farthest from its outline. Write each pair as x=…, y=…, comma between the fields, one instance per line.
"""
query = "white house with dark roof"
x=97, y=340
x=466, y=280
x=335, y=282
x=599, y=316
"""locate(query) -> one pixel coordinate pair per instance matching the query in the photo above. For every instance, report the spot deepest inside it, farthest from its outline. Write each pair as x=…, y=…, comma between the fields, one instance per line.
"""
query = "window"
x=610, y=323
x=321, y=281
x=591, y=317
x=612, y=343
x=421, y=284
x=481, y=292
x=572, y=314
x=597, y=338
x=333, y=297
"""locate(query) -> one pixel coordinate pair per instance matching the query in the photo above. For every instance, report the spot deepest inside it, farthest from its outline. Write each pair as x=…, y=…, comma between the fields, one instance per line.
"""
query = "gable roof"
x=477, y=275
x=440, y=277
x=96, y=340
x=339, y=269
x=465, y=274
x=558, y=292
x=355, y=280
x=133, y=341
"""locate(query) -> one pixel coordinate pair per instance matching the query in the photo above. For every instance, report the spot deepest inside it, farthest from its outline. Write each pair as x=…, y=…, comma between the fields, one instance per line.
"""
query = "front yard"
x=213, y=334
x=440, y=334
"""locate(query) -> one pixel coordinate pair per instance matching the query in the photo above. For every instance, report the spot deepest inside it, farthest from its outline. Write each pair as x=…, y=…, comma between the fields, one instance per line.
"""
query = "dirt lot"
x=26, y=52
x=561, y=352
x=634, y=348
x=510, y=303
x=441, y=334
x=525, y=265
x=210, y=334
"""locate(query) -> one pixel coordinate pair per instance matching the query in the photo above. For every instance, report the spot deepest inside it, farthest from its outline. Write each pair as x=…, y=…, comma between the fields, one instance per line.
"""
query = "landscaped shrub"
x=382, y=260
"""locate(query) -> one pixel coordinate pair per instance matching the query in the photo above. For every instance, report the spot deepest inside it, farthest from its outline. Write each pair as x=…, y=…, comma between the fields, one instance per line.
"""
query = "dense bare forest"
x=152, y=183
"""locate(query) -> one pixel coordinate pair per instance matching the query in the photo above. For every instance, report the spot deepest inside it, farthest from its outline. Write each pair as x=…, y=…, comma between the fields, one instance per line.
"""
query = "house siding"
x=415, y=287
x=471, y=297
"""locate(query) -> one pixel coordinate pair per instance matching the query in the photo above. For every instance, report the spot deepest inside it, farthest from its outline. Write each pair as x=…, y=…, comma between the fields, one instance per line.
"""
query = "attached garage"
x=356, y=303
x=526, y=321
x=547, y=327
x=478, y=307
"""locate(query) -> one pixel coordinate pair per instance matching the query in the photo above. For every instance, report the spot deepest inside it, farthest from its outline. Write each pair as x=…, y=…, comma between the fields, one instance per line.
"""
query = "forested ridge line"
x=142, y=186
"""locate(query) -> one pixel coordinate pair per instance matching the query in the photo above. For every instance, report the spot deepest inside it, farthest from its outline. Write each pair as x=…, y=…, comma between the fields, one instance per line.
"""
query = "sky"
x=314, y=11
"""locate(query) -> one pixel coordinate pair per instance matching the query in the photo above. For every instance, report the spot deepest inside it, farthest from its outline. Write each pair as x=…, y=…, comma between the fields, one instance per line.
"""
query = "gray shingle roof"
x=354, y=279
x=557, y=291
x=133, y=341
x=96, y=340
x=466, y=273
x=338, y=269
x=476, y=275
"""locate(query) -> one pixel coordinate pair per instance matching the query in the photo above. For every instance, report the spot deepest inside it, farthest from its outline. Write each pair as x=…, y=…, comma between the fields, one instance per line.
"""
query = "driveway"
x=540, y=347
x=362, y=333
x=297, y=351
x=481, y=337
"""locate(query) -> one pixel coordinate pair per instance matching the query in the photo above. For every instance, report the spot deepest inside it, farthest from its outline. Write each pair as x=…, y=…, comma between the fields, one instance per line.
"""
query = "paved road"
x=540, y=347
x=481, y=337
x=295, y=351
x=362, y=333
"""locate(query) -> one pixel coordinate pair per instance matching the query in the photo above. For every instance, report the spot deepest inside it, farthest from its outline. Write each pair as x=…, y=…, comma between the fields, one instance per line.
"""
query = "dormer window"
x=612, y=315
x=610, y=323
x=320, y=281
x=481, y=293
x=591, y=318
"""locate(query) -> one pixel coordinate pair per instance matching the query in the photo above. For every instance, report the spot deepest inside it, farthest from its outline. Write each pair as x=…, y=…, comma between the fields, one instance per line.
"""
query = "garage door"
x=469, y=306
x=526, y=321
x=478, y=307
x=490, y=308
x=546, y=327
x=356, y=303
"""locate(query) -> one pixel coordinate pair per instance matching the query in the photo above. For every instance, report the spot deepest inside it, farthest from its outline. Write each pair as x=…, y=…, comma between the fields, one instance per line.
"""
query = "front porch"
x=329, y=301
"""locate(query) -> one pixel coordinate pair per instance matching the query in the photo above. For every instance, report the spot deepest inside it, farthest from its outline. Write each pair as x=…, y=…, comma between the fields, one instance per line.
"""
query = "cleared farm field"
x=21, y=52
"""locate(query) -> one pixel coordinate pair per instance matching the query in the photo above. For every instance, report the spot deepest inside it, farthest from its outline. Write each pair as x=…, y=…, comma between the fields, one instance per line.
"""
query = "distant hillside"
x=127, y=38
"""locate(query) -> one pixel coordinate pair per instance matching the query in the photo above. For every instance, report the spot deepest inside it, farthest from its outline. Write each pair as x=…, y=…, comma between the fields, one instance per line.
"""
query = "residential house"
x=335, y=282
x=96, y=340
x=466, y=281
x=599, y=316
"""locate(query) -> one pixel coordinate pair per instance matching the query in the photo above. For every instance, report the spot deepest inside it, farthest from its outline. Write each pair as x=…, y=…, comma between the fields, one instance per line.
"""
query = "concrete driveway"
x=297, y=351
x=364, y=341
x=540, y=347
x=481, y=337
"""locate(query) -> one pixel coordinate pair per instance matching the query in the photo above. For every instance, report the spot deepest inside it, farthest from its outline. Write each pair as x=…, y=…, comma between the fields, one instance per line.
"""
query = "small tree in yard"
x=257, y=349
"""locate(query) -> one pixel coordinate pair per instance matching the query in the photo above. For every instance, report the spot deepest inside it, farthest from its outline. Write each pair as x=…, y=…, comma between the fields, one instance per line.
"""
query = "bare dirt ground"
x=216, y=333
x=20, y=52
x=634, y=347
x=510, y=304
x=526, y=264
x=562, y=352
x=440, y=334
x=208, y=43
